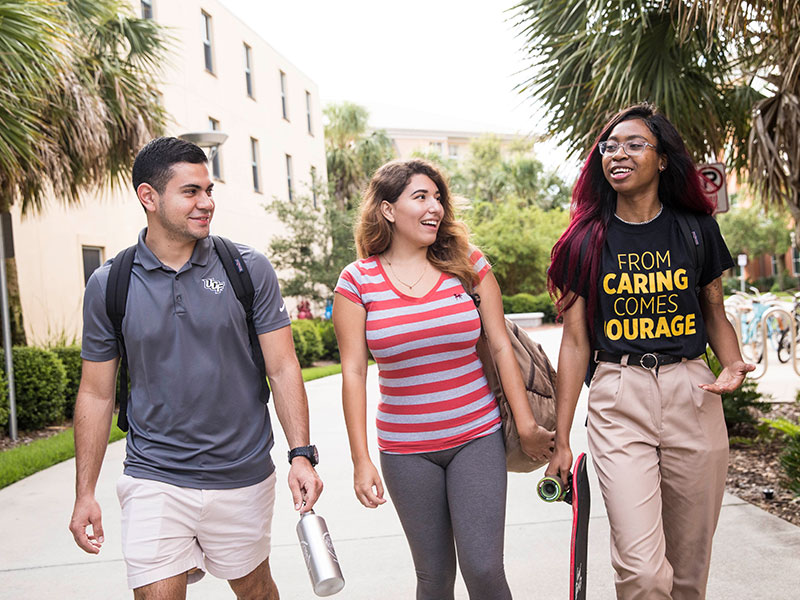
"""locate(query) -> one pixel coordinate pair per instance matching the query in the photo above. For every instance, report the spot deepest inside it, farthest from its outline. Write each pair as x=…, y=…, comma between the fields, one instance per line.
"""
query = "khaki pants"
x=660, y=448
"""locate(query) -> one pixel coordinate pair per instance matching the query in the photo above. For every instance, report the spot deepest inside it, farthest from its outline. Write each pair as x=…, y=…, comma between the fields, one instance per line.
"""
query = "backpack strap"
x=692, y=235
x=119, y=279
x=242, y=283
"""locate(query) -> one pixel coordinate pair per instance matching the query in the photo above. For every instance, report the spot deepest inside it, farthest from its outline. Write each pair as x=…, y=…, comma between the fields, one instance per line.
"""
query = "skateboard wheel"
x=550, y=489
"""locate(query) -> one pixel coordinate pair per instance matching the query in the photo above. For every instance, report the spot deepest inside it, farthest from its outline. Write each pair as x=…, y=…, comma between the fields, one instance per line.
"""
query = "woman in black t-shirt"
x=637, y=274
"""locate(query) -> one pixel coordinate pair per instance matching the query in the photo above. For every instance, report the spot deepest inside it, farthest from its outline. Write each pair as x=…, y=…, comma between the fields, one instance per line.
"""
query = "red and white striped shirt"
x=434, y=395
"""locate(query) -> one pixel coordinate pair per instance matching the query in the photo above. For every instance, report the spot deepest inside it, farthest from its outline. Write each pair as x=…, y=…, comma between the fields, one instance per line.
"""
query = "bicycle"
x=785, y=342
x=751, y=308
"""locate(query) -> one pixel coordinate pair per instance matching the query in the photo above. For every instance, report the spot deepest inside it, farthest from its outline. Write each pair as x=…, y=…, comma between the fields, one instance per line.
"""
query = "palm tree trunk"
x=15, y=304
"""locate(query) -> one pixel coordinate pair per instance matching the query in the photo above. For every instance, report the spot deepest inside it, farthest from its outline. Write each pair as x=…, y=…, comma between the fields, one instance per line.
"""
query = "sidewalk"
x=756, y=555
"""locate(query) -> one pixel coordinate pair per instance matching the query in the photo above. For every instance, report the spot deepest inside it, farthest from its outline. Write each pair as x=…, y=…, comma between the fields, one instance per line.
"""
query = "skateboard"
x=576, y=493
x=580, y=499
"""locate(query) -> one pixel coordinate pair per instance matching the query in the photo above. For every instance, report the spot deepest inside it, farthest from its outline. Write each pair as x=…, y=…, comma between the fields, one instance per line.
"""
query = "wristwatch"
x=310, y=452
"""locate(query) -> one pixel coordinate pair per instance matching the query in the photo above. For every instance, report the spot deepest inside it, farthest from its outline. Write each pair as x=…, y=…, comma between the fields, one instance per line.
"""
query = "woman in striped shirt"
x=441, y=448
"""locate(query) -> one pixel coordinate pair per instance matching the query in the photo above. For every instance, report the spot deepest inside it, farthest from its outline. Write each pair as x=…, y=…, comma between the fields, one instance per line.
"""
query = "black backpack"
x=117, y=295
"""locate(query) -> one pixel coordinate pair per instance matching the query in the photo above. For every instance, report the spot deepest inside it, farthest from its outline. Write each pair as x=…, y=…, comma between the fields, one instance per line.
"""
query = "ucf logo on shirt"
x=643, y=294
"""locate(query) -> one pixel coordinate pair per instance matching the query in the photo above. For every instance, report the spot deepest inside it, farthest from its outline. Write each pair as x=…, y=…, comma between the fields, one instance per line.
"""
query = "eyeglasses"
x=631, y=148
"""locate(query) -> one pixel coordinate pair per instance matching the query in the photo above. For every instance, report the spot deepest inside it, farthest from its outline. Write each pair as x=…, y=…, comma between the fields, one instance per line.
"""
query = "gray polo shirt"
x=195, y=416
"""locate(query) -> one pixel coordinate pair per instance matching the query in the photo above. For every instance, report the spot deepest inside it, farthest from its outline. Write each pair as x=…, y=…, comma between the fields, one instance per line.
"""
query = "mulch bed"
x=26, y=437
x=755, y=469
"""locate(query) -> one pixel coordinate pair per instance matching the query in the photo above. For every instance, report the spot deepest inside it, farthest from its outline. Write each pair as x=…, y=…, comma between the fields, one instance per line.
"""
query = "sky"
x=431, y=64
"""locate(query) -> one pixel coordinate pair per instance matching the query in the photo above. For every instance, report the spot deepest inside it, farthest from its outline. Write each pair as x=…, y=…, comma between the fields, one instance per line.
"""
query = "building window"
x=314, y=185
x=92, y=259
x=436, y=147
x=284, y=104
x=773, y=264
x=147, y=9
x=453, y=151
x=248, y=71
x=216, y=165
x=308, y=112
x=795, y=261
x=289, y=175
x=207, y=50
x=254, y=163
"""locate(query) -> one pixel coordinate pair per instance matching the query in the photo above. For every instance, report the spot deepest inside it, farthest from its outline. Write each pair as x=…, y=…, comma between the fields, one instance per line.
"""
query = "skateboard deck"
x=579, y=497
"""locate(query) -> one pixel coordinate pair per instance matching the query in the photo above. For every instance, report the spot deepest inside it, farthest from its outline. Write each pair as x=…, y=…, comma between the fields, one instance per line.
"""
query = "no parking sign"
x=712, y=177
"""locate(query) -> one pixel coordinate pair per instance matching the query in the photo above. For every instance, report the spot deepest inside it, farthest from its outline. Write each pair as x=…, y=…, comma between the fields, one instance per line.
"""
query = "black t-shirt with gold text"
x=647, y=298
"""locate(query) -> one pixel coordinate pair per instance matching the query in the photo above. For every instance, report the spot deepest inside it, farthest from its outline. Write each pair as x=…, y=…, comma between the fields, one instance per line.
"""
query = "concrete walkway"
x=756, y=556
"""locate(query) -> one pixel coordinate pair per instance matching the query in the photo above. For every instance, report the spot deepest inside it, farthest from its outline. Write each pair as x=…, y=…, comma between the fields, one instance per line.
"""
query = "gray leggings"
x=456, y=495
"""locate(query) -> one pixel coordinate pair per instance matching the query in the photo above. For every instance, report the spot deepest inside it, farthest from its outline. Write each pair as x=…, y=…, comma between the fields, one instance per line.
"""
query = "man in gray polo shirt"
x=198, y=487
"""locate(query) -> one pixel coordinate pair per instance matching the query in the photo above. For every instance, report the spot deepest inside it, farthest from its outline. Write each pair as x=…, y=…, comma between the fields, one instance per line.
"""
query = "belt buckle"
x=651, y=356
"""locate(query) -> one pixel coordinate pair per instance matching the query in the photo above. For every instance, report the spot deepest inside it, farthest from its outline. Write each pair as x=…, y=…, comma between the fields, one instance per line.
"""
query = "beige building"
x=449, y=144
x=221, y=76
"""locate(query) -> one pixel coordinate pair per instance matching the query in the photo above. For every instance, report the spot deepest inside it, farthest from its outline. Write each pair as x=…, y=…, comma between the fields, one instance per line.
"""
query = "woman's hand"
x=730, y=378
x=560, y=464
x=367, y=484
x=537, y=442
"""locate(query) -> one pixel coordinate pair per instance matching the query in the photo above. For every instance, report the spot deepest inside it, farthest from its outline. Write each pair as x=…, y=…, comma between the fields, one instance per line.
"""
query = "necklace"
x=658, y=214
x=409, y=286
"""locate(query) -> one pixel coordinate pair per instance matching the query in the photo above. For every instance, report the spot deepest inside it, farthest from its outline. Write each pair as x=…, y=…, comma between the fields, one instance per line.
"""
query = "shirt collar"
x=146, y=258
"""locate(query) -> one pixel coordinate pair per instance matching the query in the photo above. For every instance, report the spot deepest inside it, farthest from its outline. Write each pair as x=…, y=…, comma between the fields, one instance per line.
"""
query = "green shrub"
x=740, y=404
x=329, y=344
x=523, y=303
x=790, y=457
x=39, y=382
x=784, y=281
x=70, y=357
x=544, y=304
x=310, y=349
x=730, y=285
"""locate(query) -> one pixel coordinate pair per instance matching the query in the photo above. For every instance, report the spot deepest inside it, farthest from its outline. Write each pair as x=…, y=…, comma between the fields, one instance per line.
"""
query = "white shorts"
x=168, y=530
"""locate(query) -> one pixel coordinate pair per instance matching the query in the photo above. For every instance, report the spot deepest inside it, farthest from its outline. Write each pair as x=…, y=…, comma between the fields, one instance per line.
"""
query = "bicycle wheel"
x=785, y=346
x=753, y=348
x=774, y=331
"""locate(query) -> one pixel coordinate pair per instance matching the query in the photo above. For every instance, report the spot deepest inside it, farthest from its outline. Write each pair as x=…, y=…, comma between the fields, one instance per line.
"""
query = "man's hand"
x=730, y=378
x=305, y=484
x=87, y=513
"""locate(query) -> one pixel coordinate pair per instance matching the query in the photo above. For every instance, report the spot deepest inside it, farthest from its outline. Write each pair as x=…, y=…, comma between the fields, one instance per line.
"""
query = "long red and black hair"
x=576, y=257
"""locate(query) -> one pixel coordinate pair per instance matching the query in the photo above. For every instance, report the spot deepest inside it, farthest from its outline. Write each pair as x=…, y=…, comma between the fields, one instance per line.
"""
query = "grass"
x=22, y=461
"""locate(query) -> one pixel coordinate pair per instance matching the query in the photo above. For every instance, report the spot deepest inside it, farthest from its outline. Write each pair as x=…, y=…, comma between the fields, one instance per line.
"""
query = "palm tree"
x=727, y=73
x=765, y=36
x=78, y=98
x=352, y=154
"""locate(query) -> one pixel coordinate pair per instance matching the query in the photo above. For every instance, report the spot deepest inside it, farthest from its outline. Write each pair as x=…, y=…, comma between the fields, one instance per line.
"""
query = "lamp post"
x=7, y=251
x=206, y=139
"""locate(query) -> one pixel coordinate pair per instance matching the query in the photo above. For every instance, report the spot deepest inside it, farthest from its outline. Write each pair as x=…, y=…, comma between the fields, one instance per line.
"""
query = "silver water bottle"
x=323, y=566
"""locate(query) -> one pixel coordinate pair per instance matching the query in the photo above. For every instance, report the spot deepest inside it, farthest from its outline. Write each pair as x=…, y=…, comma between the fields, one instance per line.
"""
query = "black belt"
x=651, y=360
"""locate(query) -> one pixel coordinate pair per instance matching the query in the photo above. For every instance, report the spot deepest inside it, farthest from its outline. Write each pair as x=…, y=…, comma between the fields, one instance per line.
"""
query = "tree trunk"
x=15, y=304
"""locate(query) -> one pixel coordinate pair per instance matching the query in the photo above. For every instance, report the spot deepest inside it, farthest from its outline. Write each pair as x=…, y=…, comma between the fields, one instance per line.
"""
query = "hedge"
x=526, y=303
x=70, y=357
x=39, y=382
x=307, y=342
x=329, y=343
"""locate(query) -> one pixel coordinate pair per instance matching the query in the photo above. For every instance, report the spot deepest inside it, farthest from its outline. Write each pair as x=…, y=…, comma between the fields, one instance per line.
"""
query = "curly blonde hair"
x=373, y=233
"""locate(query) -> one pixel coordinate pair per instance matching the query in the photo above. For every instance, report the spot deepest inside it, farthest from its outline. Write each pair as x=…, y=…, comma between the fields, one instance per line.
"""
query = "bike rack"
x=778, y=311
x=735, y=319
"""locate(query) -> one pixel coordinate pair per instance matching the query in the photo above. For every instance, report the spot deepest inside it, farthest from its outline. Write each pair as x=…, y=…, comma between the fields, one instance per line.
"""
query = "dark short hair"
x=153, y=164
